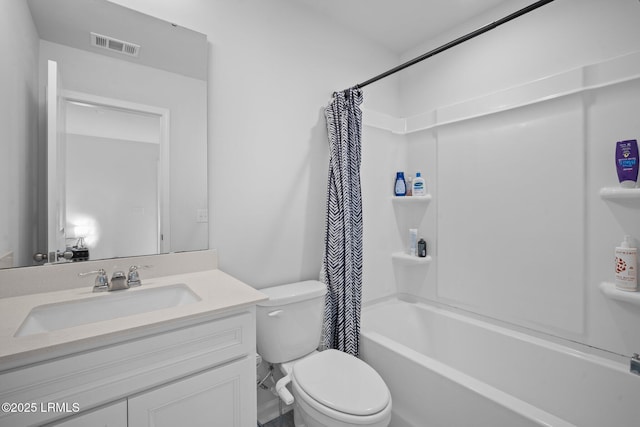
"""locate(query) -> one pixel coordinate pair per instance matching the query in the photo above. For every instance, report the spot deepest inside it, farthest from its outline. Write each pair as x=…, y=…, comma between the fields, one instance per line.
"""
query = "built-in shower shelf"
x=412, y=199
x=610, y=291
x=407, y=259
x=619, y=193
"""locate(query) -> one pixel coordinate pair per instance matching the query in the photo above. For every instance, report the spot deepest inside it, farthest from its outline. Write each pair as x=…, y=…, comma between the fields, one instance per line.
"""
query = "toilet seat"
x=322, y=415
x=342, y=384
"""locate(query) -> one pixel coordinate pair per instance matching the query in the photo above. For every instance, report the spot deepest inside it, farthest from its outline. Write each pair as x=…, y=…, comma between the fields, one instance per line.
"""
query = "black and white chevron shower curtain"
x=342, y=263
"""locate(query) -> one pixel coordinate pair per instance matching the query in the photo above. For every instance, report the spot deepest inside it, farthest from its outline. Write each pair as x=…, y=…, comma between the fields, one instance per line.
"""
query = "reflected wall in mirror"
x=163, y=67
x=132, y=138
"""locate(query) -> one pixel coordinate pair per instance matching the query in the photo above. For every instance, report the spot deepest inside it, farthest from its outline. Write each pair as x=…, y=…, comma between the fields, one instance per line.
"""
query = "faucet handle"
x=102, y=281
x=133, y=278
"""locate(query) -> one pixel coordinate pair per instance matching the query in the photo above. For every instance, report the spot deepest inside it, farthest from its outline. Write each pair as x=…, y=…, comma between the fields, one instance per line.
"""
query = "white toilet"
x=330, y=388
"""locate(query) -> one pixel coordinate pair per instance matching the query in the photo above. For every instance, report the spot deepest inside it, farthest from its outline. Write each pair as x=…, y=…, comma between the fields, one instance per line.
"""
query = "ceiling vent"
x=114, y=45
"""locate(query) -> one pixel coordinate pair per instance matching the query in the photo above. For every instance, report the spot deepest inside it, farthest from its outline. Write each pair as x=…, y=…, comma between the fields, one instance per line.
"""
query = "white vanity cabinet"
x=196, y=371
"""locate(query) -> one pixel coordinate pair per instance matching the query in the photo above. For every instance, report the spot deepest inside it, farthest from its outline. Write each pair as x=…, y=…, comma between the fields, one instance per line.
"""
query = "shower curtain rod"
x=456, y=42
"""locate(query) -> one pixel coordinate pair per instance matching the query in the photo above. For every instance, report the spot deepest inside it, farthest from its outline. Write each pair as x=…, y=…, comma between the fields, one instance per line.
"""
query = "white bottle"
x=419, y=189
x=413, y=241
x=626, y=266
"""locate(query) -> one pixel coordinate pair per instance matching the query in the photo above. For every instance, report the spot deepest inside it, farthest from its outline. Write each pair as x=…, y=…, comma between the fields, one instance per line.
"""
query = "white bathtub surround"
x=611, y=291
x=511, y=239
x=444, y=368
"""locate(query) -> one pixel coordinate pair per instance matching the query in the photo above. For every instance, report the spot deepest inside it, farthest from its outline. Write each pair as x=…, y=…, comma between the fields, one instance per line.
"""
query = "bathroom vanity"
x=192, y=361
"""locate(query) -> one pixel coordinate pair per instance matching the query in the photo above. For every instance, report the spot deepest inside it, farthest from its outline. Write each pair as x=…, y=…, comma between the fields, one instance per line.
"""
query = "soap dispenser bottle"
x=626, y=266
x=419, y=188
x=401, y=185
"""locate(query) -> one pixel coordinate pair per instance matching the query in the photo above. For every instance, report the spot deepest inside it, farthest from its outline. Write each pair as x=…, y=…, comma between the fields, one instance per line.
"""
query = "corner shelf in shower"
x=407, y=259
x=411, y=199
x=610, y=291
x=619, y=193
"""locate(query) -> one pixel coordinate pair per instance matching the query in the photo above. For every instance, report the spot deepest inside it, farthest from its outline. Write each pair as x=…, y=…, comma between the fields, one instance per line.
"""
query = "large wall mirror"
x=117, y=164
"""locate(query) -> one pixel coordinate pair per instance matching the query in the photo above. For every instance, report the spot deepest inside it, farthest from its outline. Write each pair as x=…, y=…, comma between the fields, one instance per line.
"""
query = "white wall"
x=185, y=98
x=520, y=189
x=18, y=130
x=273, y=68
x=562, y=35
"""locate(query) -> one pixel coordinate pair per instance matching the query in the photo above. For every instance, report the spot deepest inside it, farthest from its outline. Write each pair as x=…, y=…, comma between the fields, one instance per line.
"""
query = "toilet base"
x=297, y=418
x=300, y=420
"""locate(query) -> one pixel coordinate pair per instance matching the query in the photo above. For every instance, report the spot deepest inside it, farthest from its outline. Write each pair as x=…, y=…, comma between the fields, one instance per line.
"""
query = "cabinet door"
x=223, y=396
x=114, y=415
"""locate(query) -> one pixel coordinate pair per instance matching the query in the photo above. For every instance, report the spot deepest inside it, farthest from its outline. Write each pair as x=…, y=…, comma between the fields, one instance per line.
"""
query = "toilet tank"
x=289, y=323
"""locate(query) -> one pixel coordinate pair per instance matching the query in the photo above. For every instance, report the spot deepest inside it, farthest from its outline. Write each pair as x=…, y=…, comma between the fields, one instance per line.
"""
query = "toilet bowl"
x=335, y=389
x=328, y=388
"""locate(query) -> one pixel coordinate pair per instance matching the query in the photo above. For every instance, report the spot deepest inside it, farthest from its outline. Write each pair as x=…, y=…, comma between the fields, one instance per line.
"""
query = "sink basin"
x=108, y=306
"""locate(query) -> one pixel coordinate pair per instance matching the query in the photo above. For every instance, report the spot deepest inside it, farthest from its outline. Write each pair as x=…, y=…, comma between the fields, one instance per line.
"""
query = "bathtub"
x=448, y=369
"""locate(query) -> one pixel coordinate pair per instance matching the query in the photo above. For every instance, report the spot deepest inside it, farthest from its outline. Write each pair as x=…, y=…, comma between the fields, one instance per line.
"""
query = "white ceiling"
x=400, y=25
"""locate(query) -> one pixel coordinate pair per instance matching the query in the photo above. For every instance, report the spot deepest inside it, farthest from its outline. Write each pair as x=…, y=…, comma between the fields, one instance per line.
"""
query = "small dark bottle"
x=422, y=248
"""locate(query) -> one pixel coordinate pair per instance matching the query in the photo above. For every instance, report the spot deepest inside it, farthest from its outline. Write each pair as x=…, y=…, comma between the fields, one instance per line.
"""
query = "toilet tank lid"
x=292, y=292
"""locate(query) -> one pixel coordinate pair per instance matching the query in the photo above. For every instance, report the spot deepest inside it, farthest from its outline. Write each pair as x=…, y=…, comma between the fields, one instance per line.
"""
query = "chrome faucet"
x=119, y=280
x=101, y=283
x=133, y=278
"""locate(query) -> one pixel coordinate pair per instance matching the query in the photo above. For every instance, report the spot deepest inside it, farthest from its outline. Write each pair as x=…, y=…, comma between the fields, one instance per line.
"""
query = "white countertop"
x=219, y=292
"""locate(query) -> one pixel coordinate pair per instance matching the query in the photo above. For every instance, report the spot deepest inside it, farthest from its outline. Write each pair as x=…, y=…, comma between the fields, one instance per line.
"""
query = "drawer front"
x=96, y=377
